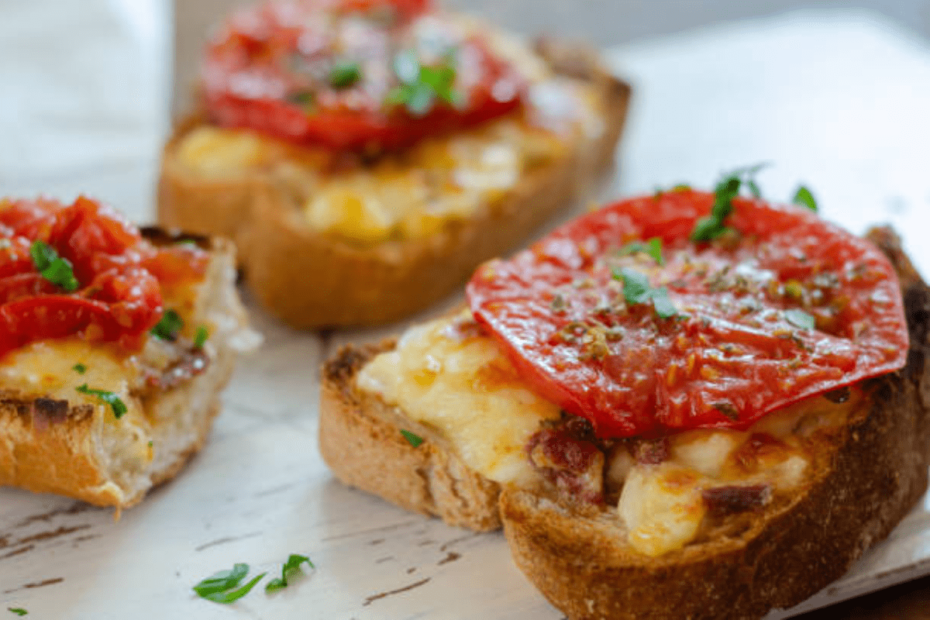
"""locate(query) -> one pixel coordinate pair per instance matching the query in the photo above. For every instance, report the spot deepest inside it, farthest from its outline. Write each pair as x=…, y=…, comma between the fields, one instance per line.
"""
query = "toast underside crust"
x=78, y=449
x=866, y=476
x=343, y=283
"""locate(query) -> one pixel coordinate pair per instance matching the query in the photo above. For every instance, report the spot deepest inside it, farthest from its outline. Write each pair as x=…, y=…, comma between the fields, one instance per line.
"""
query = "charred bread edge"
x=877, y=473
x=345, y=284
x=48, y=444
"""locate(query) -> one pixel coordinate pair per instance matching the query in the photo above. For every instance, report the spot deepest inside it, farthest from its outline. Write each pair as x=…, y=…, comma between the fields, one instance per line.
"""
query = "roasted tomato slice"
x=342, y=76
x=713, y=335
x=99, y=279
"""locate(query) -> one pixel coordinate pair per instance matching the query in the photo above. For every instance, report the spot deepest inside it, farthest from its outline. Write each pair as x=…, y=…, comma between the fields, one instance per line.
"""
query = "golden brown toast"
x=311, y=278
x=62, y=442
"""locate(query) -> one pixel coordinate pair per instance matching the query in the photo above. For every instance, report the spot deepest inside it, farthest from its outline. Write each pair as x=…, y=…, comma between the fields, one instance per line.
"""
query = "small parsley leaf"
x=662, y=304
x=19, y=611
x=652, y=248
x=412, y=438
x=223, y=580
x=799, y=318
x=79, y=368
x=303, y=99
x=57, y=270
x=117, y=405
x=219, y=587
x=636, y=290
x=344, y=74
x=714, y=225
x=420, y=86
x=803, y=197
x=169, y=326
x=290, y=569
x=200, y=338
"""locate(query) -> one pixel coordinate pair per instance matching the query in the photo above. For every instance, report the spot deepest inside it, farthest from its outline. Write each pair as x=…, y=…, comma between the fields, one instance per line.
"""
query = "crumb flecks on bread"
x=58, y=440
x=848, y=474
x=402, y=258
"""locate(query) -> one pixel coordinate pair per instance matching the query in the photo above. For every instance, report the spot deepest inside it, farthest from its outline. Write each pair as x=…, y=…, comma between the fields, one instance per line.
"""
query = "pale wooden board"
x=832, y=98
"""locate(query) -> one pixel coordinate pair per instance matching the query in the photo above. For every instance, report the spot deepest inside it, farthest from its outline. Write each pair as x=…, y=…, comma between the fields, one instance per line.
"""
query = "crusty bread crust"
x=427, y=479
x=199, y=204
x=311, y=280
x=55, y=446
x=864, y=478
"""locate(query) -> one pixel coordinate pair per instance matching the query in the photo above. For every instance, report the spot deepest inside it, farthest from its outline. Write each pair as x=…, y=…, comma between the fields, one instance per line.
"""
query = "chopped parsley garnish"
x=200, y=337
x=290, y=569
x=420, y=85
x=799, y=318
x=412, y=438
x=79, y=368
x=169, y=326
x=223, y=586
x=302, y=99
x=344, y=74
x=803, y=197
x=57, y=270
x=714, y=225
x=117, y=405
x=636, y=290
x=681, y=187
x=652, y=248
x=19, y=611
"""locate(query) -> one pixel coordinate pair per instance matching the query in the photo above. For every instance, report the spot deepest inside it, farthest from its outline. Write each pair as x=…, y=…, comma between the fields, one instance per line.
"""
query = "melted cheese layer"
x=416, y=192
x=462, y=386
x=468, y=392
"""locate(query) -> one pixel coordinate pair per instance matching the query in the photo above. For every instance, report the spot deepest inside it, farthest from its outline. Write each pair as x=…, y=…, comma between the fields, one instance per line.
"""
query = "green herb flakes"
x=223, y=586
x=652, y=248
x=52, y=267
x=200, y=337
x=290, y=569
x=714, y=225
x=19, y=611
x=636, y=290
x=117, y=405
x=804, y=198
x=345, y=73
x=169, y=326
x=412, y=438
x=421, y=86
x=801, y=319
x=79, y=368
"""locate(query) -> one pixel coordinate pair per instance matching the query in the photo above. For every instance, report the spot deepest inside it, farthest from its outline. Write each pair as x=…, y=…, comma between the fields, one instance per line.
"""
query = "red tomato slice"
x=740, y=346
x=406, y=7
x=120, y=275
x=269, y=71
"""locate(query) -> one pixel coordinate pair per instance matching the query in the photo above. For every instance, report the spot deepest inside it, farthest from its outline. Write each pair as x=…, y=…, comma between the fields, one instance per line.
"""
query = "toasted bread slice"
x=863, y=474
x=313, y=276
x=58, y=440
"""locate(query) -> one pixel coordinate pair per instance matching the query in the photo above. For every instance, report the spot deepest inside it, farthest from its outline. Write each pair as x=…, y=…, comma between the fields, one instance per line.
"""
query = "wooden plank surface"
x=834, y=99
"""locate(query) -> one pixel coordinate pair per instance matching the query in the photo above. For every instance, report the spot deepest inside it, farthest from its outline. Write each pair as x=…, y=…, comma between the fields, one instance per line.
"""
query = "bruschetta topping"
x=82, y=270
x=353, y=76
x=623, y=318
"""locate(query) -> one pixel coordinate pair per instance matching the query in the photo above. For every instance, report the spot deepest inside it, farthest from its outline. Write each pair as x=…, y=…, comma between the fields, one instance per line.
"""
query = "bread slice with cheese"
x=57, y=438
x=701, y=524
x=382, y=239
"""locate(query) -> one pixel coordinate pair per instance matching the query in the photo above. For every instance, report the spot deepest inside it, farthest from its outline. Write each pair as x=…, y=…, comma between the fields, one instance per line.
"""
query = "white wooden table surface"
x=837, y=100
